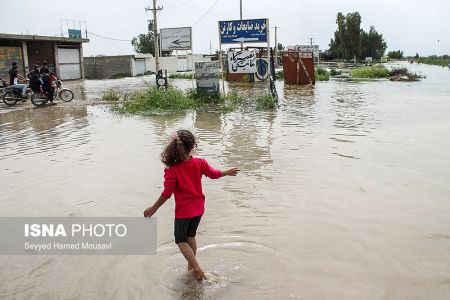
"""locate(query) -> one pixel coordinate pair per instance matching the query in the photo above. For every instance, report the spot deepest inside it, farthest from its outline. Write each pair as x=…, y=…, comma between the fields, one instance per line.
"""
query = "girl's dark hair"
x=179, y=148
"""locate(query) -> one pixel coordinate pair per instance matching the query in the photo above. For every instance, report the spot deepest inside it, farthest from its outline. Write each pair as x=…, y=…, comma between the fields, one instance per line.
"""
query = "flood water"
x=344, y=193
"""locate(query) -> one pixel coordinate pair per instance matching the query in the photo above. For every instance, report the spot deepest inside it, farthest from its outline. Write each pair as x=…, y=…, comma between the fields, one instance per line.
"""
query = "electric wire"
x=108, y=38
x=205, y=14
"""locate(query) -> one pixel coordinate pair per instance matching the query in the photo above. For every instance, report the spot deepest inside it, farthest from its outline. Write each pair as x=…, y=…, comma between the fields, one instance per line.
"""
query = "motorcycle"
x=40, y=98
x=11, y=95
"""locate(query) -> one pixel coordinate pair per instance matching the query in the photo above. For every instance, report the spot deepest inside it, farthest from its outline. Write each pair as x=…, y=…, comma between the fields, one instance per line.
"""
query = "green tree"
x=351, y=41
x=353, y=35
x=337, y=45
x=145, y=43
x=372, y=44
x=395, y=54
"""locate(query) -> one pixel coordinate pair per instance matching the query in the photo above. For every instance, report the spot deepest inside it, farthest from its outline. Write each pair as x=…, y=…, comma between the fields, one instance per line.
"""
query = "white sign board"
x=207, y=76
x=306, y=48
x=242, y=62
x=176, y=38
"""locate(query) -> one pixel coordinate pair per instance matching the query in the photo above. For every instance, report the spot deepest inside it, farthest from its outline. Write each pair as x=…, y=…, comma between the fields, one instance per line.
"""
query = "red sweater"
x=185, y=181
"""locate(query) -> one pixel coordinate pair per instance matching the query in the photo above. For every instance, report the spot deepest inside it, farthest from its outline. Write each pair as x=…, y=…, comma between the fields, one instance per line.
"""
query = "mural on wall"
x=7, y=56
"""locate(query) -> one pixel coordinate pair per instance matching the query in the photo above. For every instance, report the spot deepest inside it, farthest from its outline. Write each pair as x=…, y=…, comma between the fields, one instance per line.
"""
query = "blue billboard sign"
x=74, y=34
x=243, y=31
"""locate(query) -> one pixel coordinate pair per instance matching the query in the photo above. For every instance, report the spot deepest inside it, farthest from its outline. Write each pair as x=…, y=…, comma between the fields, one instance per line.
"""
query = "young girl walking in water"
x=182, y=177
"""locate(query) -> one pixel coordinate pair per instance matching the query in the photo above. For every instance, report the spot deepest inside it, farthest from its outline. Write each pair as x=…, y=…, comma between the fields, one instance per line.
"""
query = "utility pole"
x=311, y=41
x=240, y=18
x=155, y=32
x=276, y=47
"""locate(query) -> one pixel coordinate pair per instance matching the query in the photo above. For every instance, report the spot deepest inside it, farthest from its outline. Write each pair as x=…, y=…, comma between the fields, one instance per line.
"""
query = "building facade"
x=64, y=55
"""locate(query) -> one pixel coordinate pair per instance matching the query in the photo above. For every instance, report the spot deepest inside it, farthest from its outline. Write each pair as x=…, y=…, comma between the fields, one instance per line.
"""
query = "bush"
x=435, y=60
x=402, y=74
x=334, y=72
x=154, y=99
x=159, y=100
x=370, y=72
x=111, y=95
x=204, y=96
x=265, y=101
x=322, y=74
x=279, y=74
x=184, y=75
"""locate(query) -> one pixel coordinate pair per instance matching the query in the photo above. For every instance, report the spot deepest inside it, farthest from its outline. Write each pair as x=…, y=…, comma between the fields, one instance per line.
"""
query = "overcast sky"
x=409, y=25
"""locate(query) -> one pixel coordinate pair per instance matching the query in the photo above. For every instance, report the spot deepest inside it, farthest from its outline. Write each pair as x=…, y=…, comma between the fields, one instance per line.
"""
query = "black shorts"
x=186, y=227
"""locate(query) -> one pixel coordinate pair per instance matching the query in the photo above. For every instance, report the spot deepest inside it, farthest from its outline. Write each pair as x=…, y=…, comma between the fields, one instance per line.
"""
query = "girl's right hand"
x=150, y=211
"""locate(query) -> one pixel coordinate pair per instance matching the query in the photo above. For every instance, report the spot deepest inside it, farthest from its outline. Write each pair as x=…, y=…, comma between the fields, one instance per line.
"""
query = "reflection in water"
x=31, y=131
x=356, y=116
x=354, y=109
x=346, y=182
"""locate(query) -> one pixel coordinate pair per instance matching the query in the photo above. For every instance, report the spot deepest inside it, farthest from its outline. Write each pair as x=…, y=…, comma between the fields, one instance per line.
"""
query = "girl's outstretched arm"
x=150, y=211
x=230, y=172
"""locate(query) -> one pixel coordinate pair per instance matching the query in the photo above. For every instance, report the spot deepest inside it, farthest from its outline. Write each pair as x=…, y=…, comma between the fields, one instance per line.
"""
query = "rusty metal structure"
x=298, y=67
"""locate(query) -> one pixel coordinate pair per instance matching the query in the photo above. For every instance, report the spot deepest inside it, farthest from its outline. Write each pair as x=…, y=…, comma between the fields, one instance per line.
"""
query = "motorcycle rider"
x=47, y=84
x=36, y=68
x=45, y=68
x=14, y=77
x=36, y=81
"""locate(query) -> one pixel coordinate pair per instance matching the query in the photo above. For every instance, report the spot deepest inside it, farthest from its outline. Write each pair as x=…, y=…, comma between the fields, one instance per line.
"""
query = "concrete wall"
x=171, y=63
x=102, y=67
x=167, y=63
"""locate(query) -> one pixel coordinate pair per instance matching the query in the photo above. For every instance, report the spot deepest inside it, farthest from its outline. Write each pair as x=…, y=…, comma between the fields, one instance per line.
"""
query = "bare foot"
x=189, y=267
x=199, y=274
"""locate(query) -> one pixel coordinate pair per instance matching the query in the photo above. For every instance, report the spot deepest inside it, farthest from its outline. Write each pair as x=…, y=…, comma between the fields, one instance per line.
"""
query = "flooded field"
x=344, y=193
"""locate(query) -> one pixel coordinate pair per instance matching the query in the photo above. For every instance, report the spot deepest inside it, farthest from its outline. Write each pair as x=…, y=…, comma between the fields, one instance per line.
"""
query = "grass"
x=265, y=102
x=154, y=100
x=322, y=74
x=183, y=75
x=279, y=74
x=334, y=72
x=436, y=60
x=111, y=95
x=370, y=72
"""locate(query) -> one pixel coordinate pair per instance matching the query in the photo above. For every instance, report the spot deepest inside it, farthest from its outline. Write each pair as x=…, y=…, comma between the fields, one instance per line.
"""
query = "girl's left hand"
x=231, y=172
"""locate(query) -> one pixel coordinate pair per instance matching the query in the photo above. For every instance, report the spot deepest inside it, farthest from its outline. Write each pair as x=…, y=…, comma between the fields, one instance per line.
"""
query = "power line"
x=206, y=13
x=198, y=10
x=108, y=38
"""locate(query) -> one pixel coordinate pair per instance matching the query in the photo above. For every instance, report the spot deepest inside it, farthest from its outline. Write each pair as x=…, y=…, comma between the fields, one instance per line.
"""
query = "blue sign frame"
x=243, y=31
x=74, y=34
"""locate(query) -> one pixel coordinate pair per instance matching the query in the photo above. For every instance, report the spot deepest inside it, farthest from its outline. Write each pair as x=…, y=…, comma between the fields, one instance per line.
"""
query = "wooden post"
x=81, y=61
x=56, y=57
x=26, y=67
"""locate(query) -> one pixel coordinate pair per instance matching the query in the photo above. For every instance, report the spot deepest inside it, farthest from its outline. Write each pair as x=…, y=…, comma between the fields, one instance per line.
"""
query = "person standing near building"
x=14, y=78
